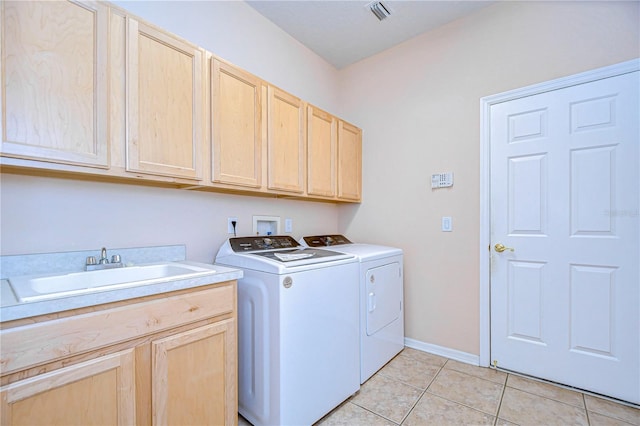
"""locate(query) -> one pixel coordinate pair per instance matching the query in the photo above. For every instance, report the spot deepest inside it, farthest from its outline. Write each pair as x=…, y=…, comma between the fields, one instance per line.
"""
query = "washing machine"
x=298, y=329
x=381, y=298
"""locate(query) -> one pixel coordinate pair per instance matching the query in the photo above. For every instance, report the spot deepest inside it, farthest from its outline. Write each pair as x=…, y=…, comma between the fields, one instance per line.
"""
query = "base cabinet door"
x=194, y=375
x=96, y=392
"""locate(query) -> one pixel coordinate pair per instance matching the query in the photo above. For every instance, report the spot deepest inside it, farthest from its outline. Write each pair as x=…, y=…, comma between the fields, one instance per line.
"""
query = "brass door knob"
x=501, y=247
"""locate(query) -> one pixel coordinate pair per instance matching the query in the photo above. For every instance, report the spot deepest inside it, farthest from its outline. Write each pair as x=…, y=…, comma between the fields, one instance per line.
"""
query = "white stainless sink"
x=31, y=288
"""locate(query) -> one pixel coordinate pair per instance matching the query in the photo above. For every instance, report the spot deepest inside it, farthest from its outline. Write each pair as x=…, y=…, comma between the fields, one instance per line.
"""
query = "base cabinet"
x=96, y=392
x=206, y=355
x=177, y=367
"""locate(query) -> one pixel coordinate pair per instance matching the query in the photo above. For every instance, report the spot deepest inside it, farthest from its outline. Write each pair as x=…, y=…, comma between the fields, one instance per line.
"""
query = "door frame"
x=485, y=173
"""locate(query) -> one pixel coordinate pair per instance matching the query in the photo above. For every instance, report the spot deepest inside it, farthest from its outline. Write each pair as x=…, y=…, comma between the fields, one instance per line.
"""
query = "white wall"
x=40, y=214
x=418, y=104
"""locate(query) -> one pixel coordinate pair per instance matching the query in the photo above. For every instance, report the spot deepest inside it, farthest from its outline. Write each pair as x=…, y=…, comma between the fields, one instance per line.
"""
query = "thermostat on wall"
x=442, y=180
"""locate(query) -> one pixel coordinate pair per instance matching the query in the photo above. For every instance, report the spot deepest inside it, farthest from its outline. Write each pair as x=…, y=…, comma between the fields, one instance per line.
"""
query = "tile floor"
x=417, y=388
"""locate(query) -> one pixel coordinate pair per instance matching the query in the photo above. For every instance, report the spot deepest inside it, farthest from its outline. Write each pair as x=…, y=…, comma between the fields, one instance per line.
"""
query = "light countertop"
x=12, y=309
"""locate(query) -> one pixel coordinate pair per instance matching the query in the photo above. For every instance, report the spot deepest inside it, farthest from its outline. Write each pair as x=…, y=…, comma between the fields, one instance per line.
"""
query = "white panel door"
x=565, y=197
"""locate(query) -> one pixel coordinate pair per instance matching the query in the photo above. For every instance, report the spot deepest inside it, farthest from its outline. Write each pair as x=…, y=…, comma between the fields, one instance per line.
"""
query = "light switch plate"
x=447, y=224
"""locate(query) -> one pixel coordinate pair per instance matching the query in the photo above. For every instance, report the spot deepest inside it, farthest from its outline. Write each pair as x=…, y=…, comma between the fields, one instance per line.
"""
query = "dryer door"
x=383, y=297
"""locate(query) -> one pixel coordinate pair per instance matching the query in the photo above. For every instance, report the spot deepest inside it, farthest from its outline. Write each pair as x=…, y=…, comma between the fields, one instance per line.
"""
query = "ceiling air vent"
x=380, y=10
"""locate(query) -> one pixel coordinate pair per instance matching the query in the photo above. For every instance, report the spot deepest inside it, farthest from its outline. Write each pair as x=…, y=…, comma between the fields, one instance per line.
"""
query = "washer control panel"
x=326, y=240
x=243, y=244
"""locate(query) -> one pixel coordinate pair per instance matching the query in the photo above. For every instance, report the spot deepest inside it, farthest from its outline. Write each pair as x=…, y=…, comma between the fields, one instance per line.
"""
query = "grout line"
x=584, y=392
x=376, y=414
x=424, y=391
x=504, y=389
x=584, y=401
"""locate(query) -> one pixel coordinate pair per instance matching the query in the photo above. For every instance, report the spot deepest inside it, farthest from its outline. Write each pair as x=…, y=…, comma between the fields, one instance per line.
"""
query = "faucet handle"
x=91, y=260
x=115, y=258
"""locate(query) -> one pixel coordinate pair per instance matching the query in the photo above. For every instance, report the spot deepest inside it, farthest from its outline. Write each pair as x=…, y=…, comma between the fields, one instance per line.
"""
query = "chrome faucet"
x=103, y=257
x=103, y=262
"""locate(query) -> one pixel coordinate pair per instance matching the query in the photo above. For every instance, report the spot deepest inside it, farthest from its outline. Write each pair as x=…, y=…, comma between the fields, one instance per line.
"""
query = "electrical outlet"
x=288, y=225
x=230, y=228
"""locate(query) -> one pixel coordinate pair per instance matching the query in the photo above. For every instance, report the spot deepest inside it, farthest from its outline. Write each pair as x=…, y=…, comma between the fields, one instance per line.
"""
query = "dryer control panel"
x=326, y=240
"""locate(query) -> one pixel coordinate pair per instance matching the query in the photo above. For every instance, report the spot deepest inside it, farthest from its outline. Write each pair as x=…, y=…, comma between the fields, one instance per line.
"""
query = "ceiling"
x=343, y=32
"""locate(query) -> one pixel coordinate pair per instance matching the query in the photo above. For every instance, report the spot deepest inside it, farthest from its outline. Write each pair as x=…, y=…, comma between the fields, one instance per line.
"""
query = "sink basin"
x=38, y=287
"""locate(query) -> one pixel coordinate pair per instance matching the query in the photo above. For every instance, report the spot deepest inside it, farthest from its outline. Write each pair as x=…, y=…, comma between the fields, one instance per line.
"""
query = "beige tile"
x=410, y=370
x=596, y=419
x=349, y=414
x=433, y=410
x=527, y=409
x=387, y=397
x=546, y=389
x=472, y=391
x=503, y=422
x=481, y=372
x=613, y=409
x=425, y=357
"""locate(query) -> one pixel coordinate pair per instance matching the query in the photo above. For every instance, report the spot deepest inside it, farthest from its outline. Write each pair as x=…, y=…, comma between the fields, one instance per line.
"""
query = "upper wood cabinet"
x=322, y=135
x=165, y=110
x=349, y=162
x=236, y=116
x=87, y=88
x=285, y=142
x=54, y=81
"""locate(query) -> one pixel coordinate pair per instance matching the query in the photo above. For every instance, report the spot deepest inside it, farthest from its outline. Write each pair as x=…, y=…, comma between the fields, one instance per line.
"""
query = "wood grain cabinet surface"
x=165, y=112
x=207, y=357
x=286, y=148
x=322, y=137
x=161, y=360
x=90, y=90
x=96, y=392
x=236, y=120
x=54, y=81
x=349, y=162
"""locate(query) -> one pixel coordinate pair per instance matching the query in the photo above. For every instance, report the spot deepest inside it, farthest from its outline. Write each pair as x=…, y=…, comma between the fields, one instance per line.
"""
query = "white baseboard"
x=454, y=354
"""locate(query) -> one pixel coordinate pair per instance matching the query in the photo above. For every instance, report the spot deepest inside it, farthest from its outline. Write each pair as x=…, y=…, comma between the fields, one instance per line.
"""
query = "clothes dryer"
x=381, y=298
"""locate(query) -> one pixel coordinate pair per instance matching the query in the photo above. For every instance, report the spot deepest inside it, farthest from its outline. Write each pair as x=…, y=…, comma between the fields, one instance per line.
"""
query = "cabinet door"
x=164, y=103
x=349, y=162
x=96, y=392
x=285, y=142
x=321, y=152
x=194, y=375
x=237, y=126
x=54, y=81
